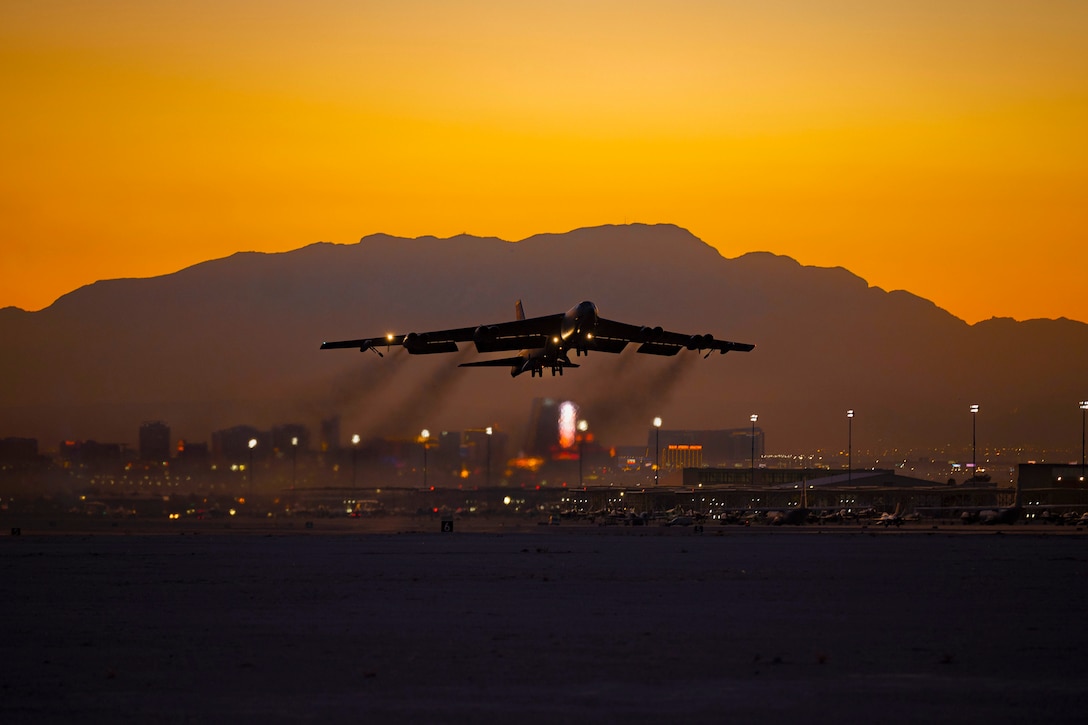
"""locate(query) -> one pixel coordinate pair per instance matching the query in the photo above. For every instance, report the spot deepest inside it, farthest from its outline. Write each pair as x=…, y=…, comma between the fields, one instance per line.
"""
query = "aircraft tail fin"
x=519, y=311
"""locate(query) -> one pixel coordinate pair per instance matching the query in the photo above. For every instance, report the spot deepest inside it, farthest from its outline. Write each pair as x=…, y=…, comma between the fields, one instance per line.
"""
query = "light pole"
x=657, y=448
x=489, y=432
x=974, y=464
x=294, y=460
x=354, y=459
x=425, y=435
x=1083, y=409
x=252, y=445
x=583, y=426
x=849, y=446
x=755, y=417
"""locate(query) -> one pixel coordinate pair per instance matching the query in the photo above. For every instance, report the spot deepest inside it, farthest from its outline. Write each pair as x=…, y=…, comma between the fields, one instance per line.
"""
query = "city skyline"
x=927, y=147
x=276, y=440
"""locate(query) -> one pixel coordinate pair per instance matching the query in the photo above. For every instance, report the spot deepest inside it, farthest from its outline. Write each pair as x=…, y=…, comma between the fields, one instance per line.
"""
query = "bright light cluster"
x=568, y=421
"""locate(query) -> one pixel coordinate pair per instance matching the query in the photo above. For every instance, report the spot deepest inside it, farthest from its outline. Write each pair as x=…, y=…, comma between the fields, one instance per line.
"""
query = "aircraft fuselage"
x=545, y=342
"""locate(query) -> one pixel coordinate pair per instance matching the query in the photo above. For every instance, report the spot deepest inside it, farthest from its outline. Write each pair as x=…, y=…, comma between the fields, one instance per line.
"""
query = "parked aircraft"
x=1004, y=515
x=544, y=343
x=1008, y=515
x=792, y=516
x=890, y=519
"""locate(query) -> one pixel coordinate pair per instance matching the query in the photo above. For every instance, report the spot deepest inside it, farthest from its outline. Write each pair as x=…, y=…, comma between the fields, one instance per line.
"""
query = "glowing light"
x=252, y=442
x=506, y=500
x=533, y=464
x=657, y=422
x=755, y=417
x=850, y=413
x=355, y=439
x=974, y=408
x=568, y=416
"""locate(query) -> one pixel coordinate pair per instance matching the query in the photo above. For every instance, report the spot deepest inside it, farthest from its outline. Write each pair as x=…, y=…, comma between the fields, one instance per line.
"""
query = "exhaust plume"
x=426, y=399
x=630, y=395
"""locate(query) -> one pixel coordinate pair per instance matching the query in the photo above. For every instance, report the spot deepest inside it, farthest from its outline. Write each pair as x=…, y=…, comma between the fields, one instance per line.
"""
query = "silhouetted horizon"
x=236, y=339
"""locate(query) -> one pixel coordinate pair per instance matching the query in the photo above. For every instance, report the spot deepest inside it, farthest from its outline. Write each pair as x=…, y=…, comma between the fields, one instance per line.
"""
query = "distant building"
x=542, y=435
x=192, y=455
x=694, y=448
x=682, y=455
x=290, y=435
x=330, y=434
x=231, y=445
x=91, y=454
x=631, y=458
x=742, y=477
x=481, y=448
x=18, y=450
x=445, y=451
x=1050, y=483
x=155, y=441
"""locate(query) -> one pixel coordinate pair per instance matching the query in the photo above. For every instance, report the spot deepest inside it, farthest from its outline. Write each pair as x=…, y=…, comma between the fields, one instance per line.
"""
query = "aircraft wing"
x=656, y=341
x=516, y=334
x=416, y=343
x=510, y=335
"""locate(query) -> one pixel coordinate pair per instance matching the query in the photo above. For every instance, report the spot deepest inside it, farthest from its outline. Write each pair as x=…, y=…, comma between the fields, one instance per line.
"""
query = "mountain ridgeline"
x=235, y=341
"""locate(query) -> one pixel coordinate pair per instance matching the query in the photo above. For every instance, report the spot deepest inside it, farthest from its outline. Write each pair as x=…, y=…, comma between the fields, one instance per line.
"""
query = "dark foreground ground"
x=545, y=624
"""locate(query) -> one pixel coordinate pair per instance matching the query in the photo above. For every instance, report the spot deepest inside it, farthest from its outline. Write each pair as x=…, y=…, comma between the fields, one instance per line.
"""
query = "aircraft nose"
x=587, y=311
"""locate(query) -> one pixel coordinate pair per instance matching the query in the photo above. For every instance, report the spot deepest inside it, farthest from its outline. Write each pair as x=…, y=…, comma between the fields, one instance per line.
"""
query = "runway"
x=543, y=624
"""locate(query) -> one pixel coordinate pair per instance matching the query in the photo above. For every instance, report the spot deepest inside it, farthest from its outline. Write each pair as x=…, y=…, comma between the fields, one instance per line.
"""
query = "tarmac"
x=397, y=621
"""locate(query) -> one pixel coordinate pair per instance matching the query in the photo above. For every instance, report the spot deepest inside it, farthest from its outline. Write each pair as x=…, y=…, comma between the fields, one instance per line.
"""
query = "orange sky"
x=933, y=146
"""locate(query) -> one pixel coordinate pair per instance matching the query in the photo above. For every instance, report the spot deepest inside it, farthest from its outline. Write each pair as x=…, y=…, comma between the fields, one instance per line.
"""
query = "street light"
x=755, y=417
x=489, y=432
x=294, y=460
x=354, y=459
x=583, y=426
x=849, y=445
x=974, y=464
x=657, y=448
x=425, y=435
x=1084, y=407
x=252, y=445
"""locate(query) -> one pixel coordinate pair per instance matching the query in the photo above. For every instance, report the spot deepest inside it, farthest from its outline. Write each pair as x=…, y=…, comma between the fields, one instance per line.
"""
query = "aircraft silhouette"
x=545, y=342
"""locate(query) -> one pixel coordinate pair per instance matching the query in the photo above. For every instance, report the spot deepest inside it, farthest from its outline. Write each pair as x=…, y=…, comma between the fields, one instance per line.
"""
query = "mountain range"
x=235, y=340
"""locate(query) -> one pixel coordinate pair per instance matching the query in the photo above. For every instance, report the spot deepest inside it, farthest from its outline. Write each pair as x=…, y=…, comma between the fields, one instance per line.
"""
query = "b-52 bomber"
x=545, y=343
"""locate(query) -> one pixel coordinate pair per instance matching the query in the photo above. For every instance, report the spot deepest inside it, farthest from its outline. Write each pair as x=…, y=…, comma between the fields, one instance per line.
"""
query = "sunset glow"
x=936, y=147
